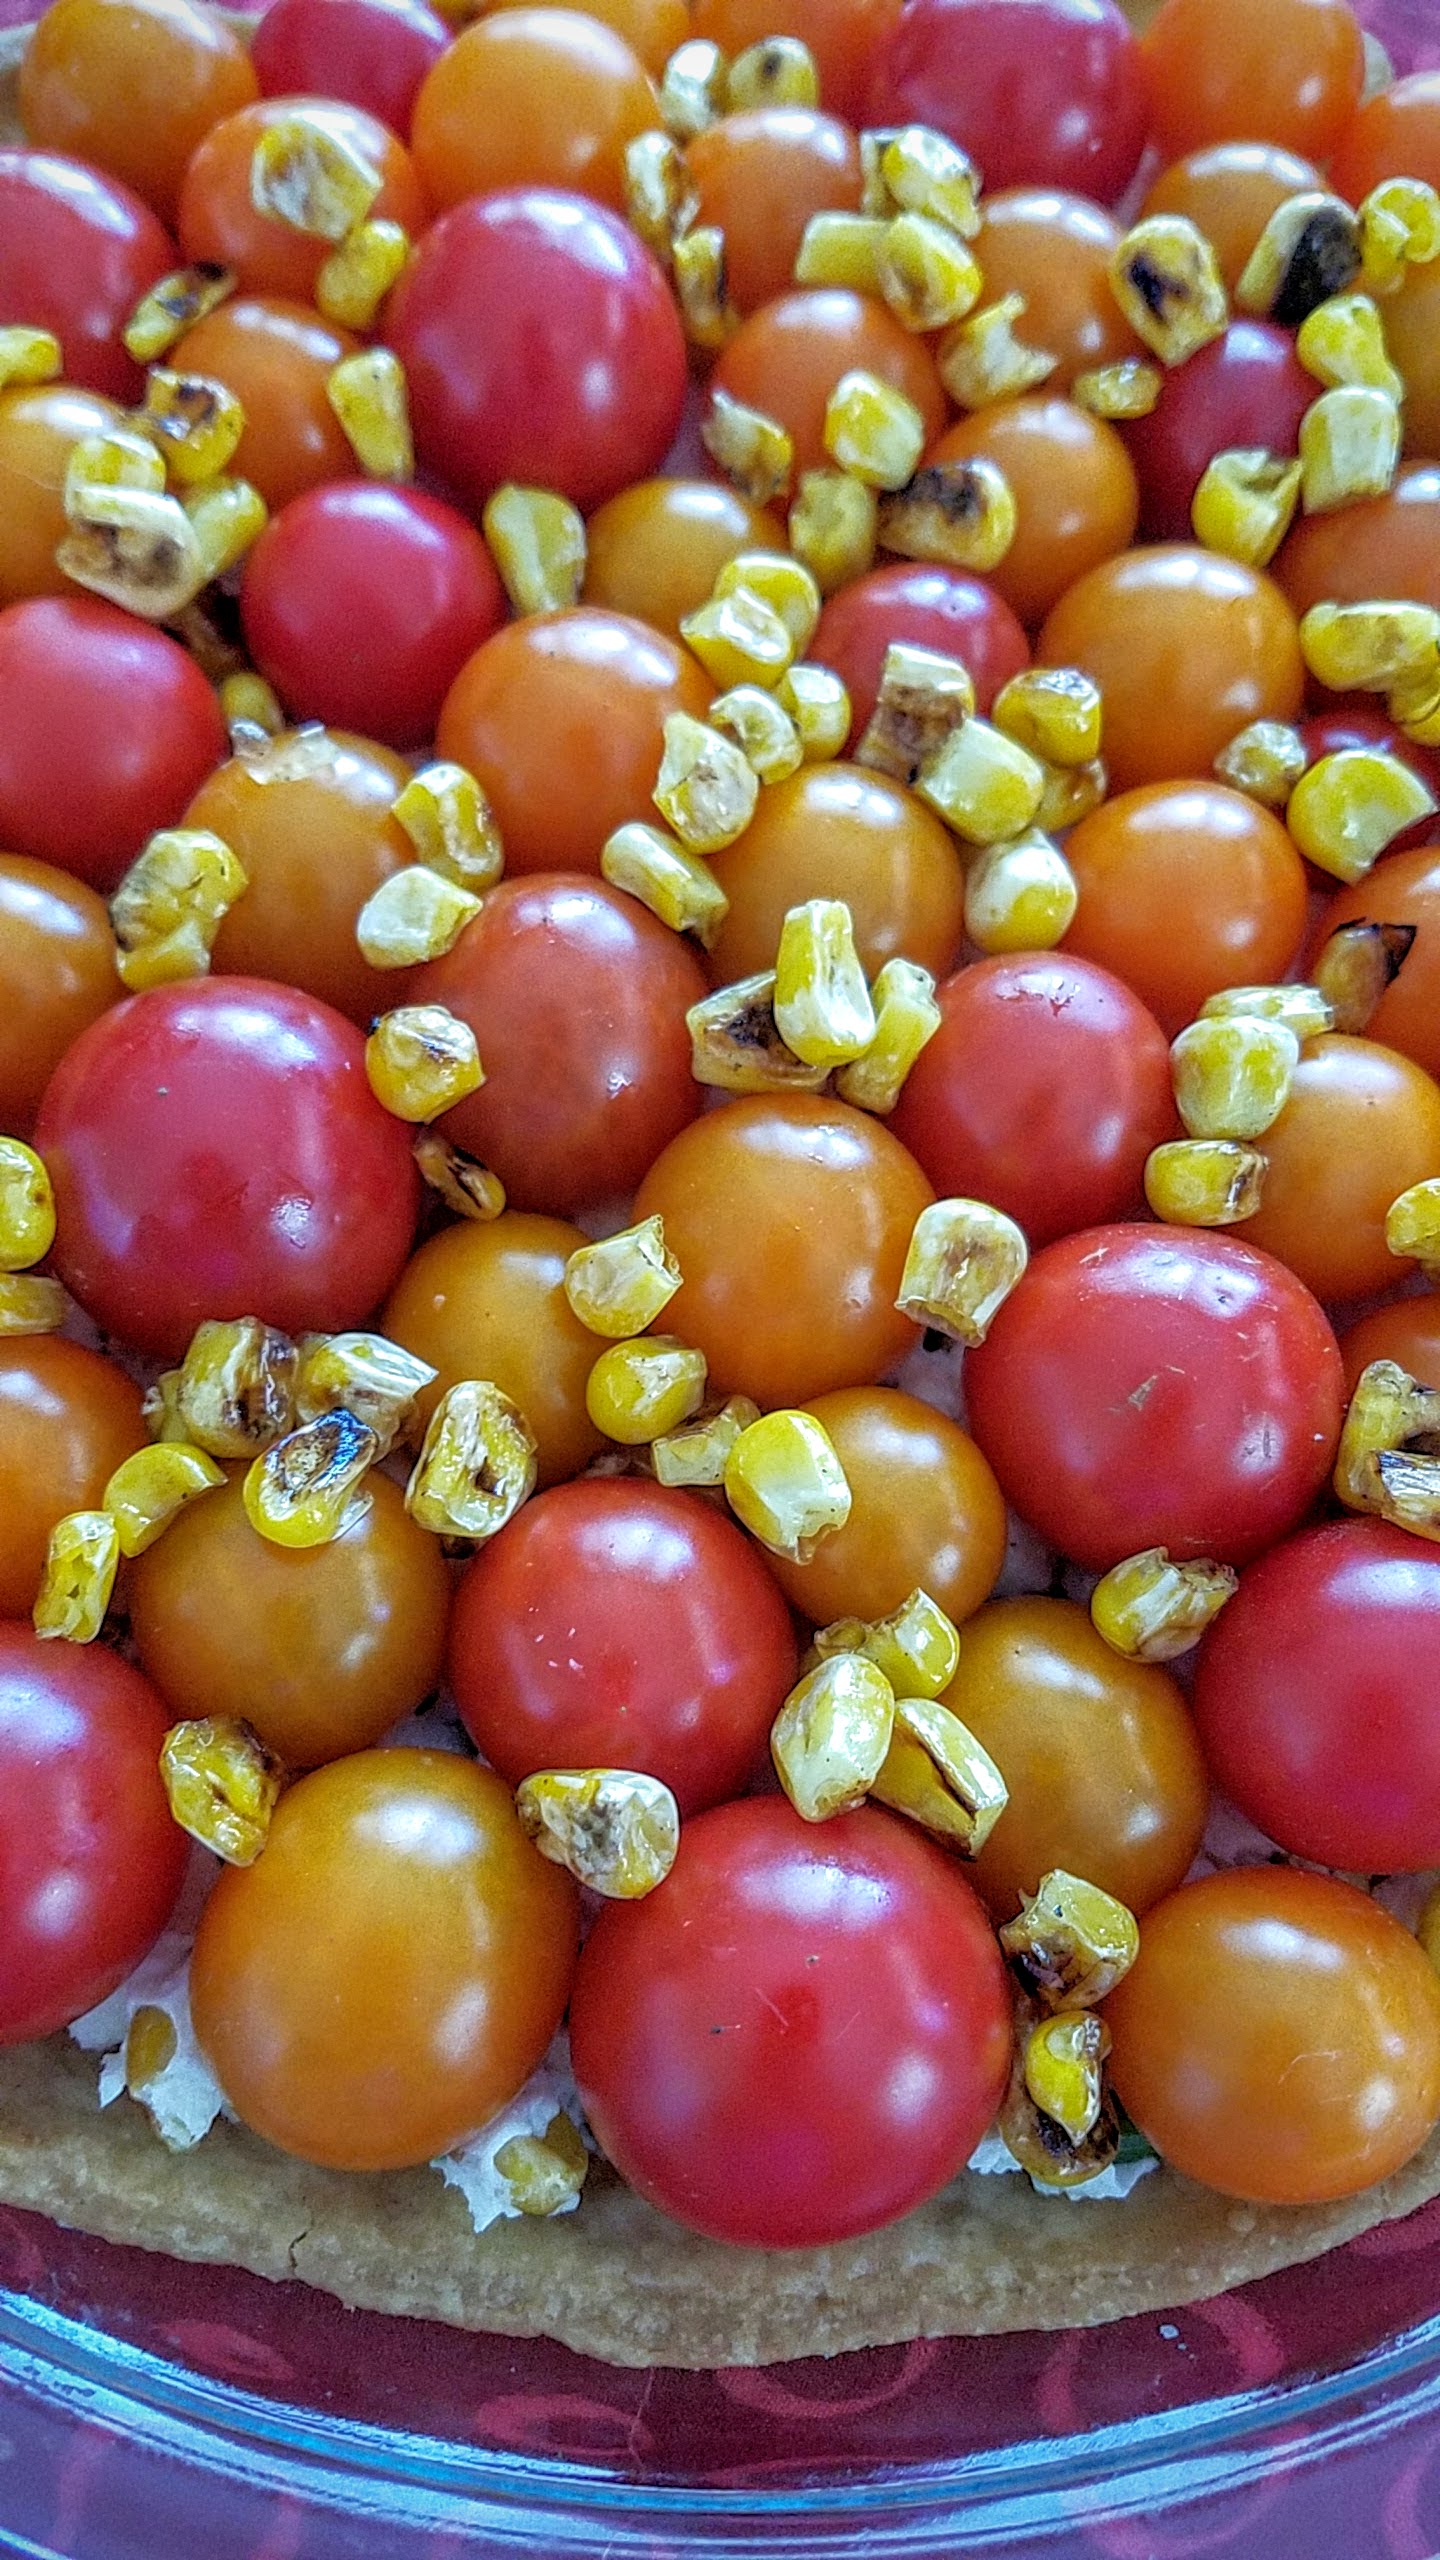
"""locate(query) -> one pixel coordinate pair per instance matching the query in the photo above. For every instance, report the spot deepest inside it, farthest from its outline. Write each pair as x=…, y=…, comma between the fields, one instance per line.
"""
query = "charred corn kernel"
x=830, y=1738
x=616, y=1830
x=1055, y=712
x=1368, y=647
x=306, y=1487
x=160, y=1408
x=1244, y=504
x=138, y=549
x=697, y=1454
x=1412, y=1224
x=1399, y=228
x=27, y=355
x=196, y=422
x=150, y=2048
x=1204, y=1182
x=1265, y=761
x=692, y=88
x=1232, y=1078
x=916, y=1646
x=735, y=1043
x=754, y=451
x=1356, y=966
x=421, y=1059
x=926, y=273
x=641, y=1388
x=925, y=172
x=938, y=1774
x=1063, y=2063
x=1409, y=1492
x=906, y=1016
x=960, y=513
x=984, y=786
x=537, y=542
x=822, y=1005
x=1020, y=896
x=1389, y=1411
x=705, y=787
x=765, y=735
x=1308, y=251
x=781, y=582
x=226, y=517
x=780, y=72
x=417, y=914
x=1349, y=448
x=1349, y=806
x=1128, y=389
x=251, y=710
x=544, y=2173
x=368, y=394
x=1343, y=340
x=923, y=696
x=981, y=359
x=697, y=263
x=306, y=173
x=171, y=904
x=149, y=1490
x=174, y=305
x=1151, y=1610
x=619, y=1286
x=833, y=526
x=1071, y=1943
x=223, y=1785
x=354, y=280
x=448, y=820
x=1040, y=2143
x=465, y=1185
x=1071, y=792
x=123, y=459
x=660, y=200
x=738, y=639
x=365, y=1374
x=78, y=1577
x=1166, y=279
x=963, y=1261
x=476, y=1466
x=31, y=1302
x=1303, y=1008
x=842, y=251
x=236, y=1387
x=819, y=705
x=786, y=1485
x=676, y=885
x=27, y=1207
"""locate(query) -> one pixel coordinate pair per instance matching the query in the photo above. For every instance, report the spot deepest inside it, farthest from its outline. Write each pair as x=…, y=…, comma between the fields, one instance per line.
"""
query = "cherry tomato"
x=790, y=1217
x=1403, y=889
x=531, y=97
x=371, y=53
x=1410, y=333
x=361, y=604
x=39, y=430
x=1074, y=488
x=653, y=29
x=1229, y=191
x=801, y=2034
x=106, y=729
x=933, y=608
x=1407, y=1332
x=655, y=551
x=1396, y=134
x=1150, y=1386
x=787, y=358
x=220, y=222
x=618, y=1624
x=277, y=358
x=1055, y=249
x=77, y=251
x=1043, y=1092
x=840, y=831
x=841, y=34
x=1100, y=1756
x=1214, y=74
x=132, y=87
x=577, y=996
x=584, y=405
x=759, y=177
x=390, y=1972
x=67, y=1419
x=1216, y=2054
x=1047, y=95
x=177, y=1201
x=1361, y=1125
x=57, y=975
x=1386, y=546
x=1247, y=387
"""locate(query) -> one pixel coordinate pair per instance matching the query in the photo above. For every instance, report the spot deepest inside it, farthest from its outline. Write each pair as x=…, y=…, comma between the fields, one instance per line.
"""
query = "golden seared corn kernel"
x=1020, y=896
x=235, y=1391
x=819, y=705
x=766, y=737
x=421, y=1060
x=197, y=423
x=27, y=1207
x=368, y=394
x=476, y=1466
x=1368, y=647
x=697, y=265
x=923, y=171
x=1399, y=228
x=417, y=914
x=1151, y=1610
x=660, y=201
x=306, y=173
x=982, y=360
x=1265, y=761
x=1349, y=806
x=222, y=1784
x=1308, y=251
x=1071, y=1943
x=698, y=1453
x=149, y=1490
x=367, y=1375
x=833, y=527
x=307, y=1487
x=354, y=280
x=537, y=542
x=754, y=451
x=1343, y=340
x=916, y=1646
x=938, y=1775
x=251, y=710
x=137, y=548
x=1244, y=504
x=1412, y=1225
x=738, y=639
x=619, y=1286
x=822, y=1005
x=830, y=1738
x=122, y=459
x=466, y=1186
x=964, y=1259
x=1071, y=792
x=1063, y=2063
x=1414, y=703
x=1204, y=1182
x=615, y=1830
x=161, y=1408
x=736, y=1045
x=545, y=2173
x=1355, y=967
x=171, y=904
x=1166, y=279
x=1040, y=2145
x=926, y=273
x=447, y=818
x=779, y=581
x=923, y=696
x=984, y=786
x=693, y=88
x=676, y=885
x=1349, y=448
x=1128, y=389
x=959, y=513
x=81, y=1562
x=174, y=305
x=226, y=518
x=30, y=1302
x=704, y=787
x=1232, y=1078
x=906, y=1016
x=779, y=72
x=641, y=1388
x=27, y=355
x=786, y=1485
x=1302, y=1008
x=150, y=2048
x=1055, y=712
x=842, y=251
x=1390, y=1416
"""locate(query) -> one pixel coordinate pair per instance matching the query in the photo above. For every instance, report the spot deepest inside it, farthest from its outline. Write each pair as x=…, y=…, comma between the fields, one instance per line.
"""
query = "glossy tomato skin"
x=89, y=1877
x=1049, y=93
x=1407, y=1331
x=541, y=344
x=57, y=975
x=933, y=608
x=801, y=2034
x=216, y=1151
x=372, y=53
x=620, y=1624
x=1148, y=1386
x=68, y=1417
x=77, y=251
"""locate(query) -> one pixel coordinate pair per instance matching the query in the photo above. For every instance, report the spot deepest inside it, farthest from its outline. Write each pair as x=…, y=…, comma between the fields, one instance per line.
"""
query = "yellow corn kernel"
x=963, y=1261
x=1349, y=448
x=251, y=710
x=829, y=1740
x=417, y=914
x=923, y=696
x=981, y=360
x=1063, y=2063
x=1414, y=703
x=960, y=513
x=842, y=251
x=1150, y=1610
x=1244, y=504
x=1355, y=967
x=1020, y=896
x=1399, y=228
x=545, y=2173
x=1303, y=1008
x=1390, y=1415
x=1349, y=806
x=676, y=885
x=1054, y=712
x=30, y=1302
x=1166, y=279
x=1412, y=1225
x=1128, y=389
x=368, y=394
x=1071, y=792
x=735, y=1043
x=27, y=1207
x=150, y=2048
x=1232, y=1077
x=307, y=173
x=81, y=1562
x=1369, y=647
x=938, y=1775
x=615, y=1830
x=306, y=1488
x=754, y=451
x=1071, y=1943
x=174, y=305
x=738, y=639
x=697, y=261
x=367, y=1376
x=124, y=458
x=1204, y=1182
x=833, y=526
x=916, y=1646
x=476, y=1466
x=1343, y=340
x=537, y=541
x=236, y=1387
x=923, y=171
x=1039, y=2143
x=1265, y=761
x=172, y=901
x=822, y=1005
x=692, y=88
x=465, y=1185
x=223, y=1785
x=619, y=1286
x=447, y=818
x=660, y=200
x=906, y=1016
x=819, y=705
x=196, y=422
x=766, y=737
x=779, y=72
x=786, y=1485
x=137, y=548
x=982, y=784
x=704, y=787
x=1308, y=251
x=641, y=1388
x=164, y=961
x=699, y=1451
x=149, y=1490
x=926, y=273
x=421, y=1060
x=161, y=1408
x=27, y=355
x=781, y=582
x=354, y=280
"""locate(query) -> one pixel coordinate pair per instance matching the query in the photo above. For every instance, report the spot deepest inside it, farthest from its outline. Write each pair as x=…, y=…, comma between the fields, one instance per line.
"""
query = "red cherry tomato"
x=801, y=2034
x=932, y=609
x=1407, y=1331
x=89, y=1876
x=77, y=251
x=372, y=53
x=1247, y=387
x=617, y=1624
x=1147, y=1387
x=216, y=1151
x=1048, y=94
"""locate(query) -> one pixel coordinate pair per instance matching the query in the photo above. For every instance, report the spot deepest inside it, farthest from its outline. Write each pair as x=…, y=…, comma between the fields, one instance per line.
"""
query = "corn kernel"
x=137, y=548
x=1039, y=2143
x=545, y=2173
x=963, y=1261
x=1071, y=1943
x=692, y=88
x=923, y=171
x=295, y=755
x=766, y=737
x=738, y=639
x=981, y=360
x=1368, y=647
x=251, y=711
x=1151, y=1610
x=926, y=274
x=781, y=582
x=960, y=513
x=172, y=306
x=833, y=526
x=226, y=517
x=829, y=1740
x=172, y=901
x=1349, y=806
x=1232, y=1077
x=1166, y=279
x=619, y=1286
x=81, y=1562
x=819, y=705
x=735, y=1043
x=615, y=1830
x=823, y=1011
x=660, y=200
x=1204, y=1182
x=705, y=787
x=307, y=173
x=1412, y=1225
x=982, y=784
x=1355, y=967
x=149, y=1490
x=417, y=914
x=160, y=1408
x=222, y=1784
x=27, y=1207
x=1399, y=228
x=1244, y=504
x=1349, y=448
x=1390, y=1417
x=842, y=251
x=367, y=1375
x=101, y=467
x=780, y=72
x=151, y=2045
x=306, y=1488
x=353, y=281
x=1063, y=2063
x=368, y=394
x=786, y=1485
x=1071, y=791
x=702, y=289
x=1128, y=389
x=641, y=1388
x=465, y=1185
x=448, y=820
x=699, y=1451
x=421, y=1060
x=197, y=422
x=27, y=355
x=1020, y=896
x=477, y=1464
x=31, y=1302
x=754, y=451
x=235, y=1391
x=1308, y=251
x=1343, y=341
x=938, y=1775
x=1054, y=712
x=1414, y=703
x=922, y=697
x=1265, y=761
x=906, y=1016
x=676, y=885
x=916, y=1646
x=1303, y=1008
x=537, y=541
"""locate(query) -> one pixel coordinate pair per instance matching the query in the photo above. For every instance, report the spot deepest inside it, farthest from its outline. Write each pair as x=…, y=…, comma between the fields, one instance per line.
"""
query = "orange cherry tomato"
x=219, y=222
x=67, y=1418
x=1396, y=134
x=839, y=831
x=133, y=86
x=1386, y=546
x=276, y=357
x=760, y=176
x=1407, y=1332
x=787, y=358
x=1412, y=335
x=1403, y=889
x=1074, y=487
x=655, y=551
x=1055, y=249
x=843, y=35
x=651, y=28
x=1217, y=71
x=1229, y=191
x=57, y=975
x=39, y=431
x=1361, y=1125
x=531, y=98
